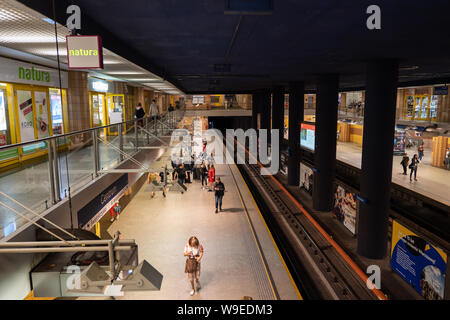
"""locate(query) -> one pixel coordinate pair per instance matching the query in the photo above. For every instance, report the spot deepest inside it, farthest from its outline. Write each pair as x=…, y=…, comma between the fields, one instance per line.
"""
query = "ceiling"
x=185, y=41
x=28, y=31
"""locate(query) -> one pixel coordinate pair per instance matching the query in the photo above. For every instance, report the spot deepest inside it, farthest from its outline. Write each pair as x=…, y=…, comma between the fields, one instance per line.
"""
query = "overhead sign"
x=84, y=52
x=91, y=213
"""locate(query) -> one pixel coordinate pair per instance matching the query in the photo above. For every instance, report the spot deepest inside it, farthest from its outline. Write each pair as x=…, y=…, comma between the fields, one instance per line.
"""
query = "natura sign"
x=84, y=52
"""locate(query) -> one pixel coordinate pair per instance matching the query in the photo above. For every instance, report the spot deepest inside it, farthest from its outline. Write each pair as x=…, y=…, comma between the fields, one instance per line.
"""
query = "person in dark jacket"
x=413, y=166
x=404, y=164
x=219, y=192
x=140, y=113
x=204, y=175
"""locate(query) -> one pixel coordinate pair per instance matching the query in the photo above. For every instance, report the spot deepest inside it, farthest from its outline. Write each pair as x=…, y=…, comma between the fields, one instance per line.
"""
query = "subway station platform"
x=431, y=181
x=240, y=257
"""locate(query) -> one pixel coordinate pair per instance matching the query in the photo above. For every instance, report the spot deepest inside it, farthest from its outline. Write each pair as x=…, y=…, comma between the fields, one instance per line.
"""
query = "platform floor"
x=232, y=266
x=431, y=181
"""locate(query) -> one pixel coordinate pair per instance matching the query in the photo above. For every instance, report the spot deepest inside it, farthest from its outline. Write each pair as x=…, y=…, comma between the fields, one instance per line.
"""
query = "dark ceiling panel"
x=184, y=39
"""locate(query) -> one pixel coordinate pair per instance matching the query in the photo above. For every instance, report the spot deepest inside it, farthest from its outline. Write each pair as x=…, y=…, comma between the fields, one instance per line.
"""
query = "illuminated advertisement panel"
x=307, y=136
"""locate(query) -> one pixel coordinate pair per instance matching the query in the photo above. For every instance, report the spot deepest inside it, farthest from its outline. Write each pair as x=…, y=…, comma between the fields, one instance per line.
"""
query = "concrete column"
x=325, y=142
x=278, y=110
x=78, y=101
x=296, y=111
x=256, y=98
x=376, y=168
x=265, y=109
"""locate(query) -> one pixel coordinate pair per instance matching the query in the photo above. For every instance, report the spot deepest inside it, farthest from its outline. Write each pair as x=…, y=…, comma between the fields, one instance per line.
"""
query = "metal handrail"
x=64, y=135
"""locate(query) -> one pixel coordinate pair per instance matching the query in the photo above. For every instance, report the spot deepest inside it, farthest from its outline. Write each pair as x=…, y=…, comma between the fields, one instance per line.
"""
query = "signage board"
x=420, y=263
x=442, y=90
x=20, y=72
x=92, y=212
x=84, y=52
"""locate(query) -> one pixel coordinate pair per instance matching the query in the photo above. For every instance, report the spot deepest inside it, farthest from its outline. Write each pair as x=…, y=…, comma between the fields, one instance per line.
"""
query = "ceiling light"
x=124, y=72
x=48, y=20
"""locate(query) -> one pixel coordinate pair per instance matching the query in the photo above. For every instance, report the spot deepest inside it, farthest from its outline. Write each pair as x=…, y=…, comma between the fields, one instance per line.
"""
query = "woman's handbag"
x=191, y=265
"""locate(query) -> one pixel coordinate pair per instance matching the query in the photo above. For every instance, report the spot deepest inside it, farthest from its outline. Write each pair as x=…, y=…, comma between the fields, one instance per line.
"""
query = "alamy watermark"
x=208, y=145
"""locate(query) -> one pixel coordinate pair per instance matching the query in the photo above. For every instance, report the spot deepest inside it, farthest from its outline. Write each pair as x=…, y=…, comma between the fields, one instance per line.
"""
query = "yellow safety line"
x=271, y=237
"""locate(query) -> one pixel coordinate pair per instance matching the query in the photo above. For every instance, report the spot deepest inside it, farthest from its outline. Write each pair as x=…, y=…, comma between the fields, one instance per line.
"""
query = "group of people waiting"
x=412, y=166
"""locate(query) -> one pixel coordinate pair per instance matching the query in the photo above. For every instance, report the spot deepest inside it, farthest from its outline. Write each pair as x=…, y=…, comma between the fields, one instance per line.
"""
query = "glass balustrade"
x=69, y=162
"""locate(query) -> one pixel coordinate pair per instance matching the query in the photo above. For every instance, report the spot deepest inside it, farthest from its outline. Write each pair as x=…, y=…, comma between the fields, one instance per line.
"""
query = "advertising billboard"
x=420, y=263
x=345, y=208
x=307, y=135
x=306, y=178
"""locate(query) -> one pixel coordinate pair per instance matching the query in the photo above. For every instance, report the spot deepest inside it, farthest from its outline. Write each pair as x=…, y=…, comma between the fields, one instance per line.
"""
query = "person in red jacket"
x=211, y=177
x=115, y=211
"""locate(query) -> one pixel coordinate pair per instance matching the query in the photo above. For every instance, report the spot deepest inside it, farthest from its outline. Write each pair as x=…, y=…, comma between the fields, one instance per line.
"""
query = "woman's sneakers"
x=192, y=292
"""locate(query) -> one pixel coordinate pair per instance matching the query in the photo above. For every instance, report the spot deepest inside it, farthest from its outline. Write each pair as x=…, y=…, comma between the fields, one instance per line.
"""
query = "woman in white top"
x=193, y=250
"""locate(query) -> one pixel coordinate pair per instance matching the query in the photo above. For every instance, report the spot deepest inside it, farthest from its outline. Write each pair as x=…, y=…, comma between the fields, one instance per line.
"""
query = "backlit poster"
x=41, y=114
x=345, y=208
x=25, y=103
x=306, y=178
x=2, y=113
x=420, y=263
x=307, y=136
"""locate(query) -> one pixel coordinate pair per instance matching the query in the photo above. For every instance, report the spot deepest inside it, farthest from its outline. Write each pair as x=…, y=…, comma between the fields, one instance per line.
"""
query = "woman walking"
x=194, y=253
x=211, y=177
x=413, y=166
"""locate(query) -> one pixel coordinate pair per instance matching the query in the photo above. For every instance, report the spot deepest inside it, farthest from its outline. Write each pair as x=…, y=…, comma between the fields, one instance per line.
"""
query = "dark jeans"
x=204, y=180
x=219, y=201
x=181, y=180
x=415, y=173
x=405, y=171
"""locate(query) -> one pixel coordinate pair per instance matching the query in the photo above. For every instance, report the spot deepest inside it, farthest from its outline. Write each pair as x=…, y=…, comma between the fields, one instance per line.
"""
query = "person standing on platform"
x=211, y=177
x=140, y=113
x=404, y=163
x=413, y=166
x=219, y=188
x=204, y=175
x=181, y=174
x=153, y=110
x=447, y=159
x=194, y=253
x=115, y=211
x=420, y=151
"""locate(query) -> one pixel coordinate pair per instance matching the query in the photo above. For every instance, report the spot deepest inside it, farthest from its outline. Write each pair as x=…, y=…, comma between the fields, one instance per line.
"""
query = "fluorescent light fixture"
x=140, y=79
x=46, y=19
x=124, y=72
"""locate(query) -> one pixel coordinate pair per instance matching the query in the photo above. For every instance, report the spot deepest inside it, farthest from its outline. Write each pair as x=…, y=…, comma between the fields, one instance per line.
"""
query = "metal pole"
x=120, y=142
x=50, y=172
x=66, y=249
x=136, y=135
x=96, y=154
x=146, y=127
x=56, y=171
x=61, y=243
x=111, y=259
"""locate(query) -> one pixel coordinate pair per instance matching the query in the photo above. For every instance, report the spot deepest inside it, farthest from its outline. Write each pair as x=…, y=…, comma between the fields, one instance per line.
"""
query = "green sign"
x=33, y=74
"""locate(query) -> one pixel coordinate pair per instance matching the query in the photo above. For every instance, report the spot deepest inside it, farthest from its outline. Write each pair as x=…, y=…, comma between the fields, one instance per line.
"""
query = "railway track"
x=318, y=268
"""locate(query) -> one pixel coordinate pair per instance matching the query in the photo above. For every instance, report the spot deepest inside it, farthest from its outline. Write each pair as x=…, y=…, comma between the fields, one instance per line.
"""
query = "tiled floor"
x=431, y=181
x=231, y=267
